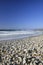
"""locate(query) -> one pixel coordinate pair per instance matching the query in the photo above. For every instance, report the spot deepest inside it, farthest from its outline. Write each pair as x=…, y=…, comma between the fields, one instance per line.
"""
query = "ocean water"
x=6, y=35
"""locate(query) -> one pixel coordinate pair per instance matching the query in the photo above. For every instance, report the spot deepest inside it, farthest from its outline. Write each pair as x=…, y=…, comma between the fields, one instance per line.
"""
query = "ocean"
x=7, y=35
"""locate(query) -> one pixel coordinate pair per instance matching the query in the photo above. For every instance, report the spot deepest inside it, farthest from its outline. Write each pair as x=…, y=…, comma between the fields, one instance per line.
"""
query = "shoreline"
x=22, y=38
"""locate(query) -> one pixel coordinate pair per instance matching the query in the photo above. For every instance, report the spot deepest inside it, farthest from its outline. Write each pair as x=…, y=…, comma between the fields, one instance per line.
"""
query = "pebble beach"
x=26, y=51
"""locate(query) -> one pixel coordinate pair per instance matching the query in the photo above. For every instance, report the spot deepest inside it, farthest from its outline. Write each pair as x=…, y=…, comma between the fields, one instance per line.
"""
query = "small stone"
x=29, y=51
x=11, y=59
x=24, y=61
x=11, y=64
x=40, y=64
x=0, y=58
x=28, y=60
x=31, y=63
x=5, y=63
x=20, y=59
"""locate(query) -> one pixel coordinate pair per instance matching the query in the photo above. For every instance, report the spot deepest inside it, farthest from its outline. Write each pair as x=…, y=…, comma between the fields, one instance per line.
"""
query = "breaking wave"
x=17, y=34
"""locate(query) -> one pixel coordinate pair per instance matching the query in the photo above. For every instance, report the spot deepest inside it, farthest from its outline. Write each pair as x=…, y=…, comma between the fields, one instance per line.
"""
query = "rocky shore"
x=27, y=51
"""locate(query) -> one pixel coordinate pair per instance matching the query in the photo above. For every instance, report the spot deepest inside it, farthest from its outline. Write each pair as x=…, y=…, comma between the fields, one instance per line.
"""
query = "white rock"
x=20, y=59
x=24, y=60
x=31, y=63
x=25, y=50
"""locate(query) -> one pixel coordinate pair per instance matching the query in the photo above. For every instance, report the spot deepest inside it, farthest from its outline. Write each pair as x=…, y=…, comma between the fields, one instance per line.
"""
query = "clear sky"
x=21, y=14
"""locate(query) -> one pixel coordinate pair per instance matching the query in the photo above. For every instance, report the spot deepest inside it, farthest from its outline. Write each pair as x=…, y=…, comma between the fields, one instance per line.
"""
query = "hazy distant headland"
x=10, y=29
x=20, y=29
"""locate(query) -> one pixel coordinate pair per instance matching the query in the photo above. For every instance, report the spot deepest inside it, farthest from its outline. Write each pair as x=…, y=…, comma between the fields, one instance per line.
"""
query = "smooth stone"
x=0, y=58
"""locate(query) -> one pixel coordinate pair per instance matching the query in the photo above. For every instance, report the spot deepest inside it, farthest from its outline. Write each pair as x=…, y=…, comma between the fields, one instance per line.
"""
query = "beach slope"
x=22, y=51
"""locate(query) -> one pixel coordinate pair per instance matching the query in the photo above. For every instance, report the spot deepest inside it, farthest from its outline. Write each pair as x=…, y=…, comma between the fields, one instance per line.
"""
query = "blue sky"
x=20, y=14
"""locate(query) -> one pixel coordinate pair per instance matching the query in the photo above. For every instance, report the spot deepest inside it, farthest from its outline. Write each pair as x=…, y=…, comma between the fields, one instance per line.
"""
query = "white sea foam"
x=17, y=34
x=2, y=33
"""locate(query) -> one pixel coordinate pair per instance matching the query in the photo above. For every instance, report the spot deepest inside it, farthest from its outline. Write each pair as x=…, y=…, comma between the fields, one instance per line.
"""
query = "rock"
x=10, y=64
x=5, y=63
x=29, y=51
x=11, y=59
x=16, y=63
x=33, y=59
x=40, y=64
x=0, y=64
x=28, y=60
x=35, y=50
x=25, y=50
x=24, y=61
x=31, y=63
x=0, y=58
x=20, y=59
